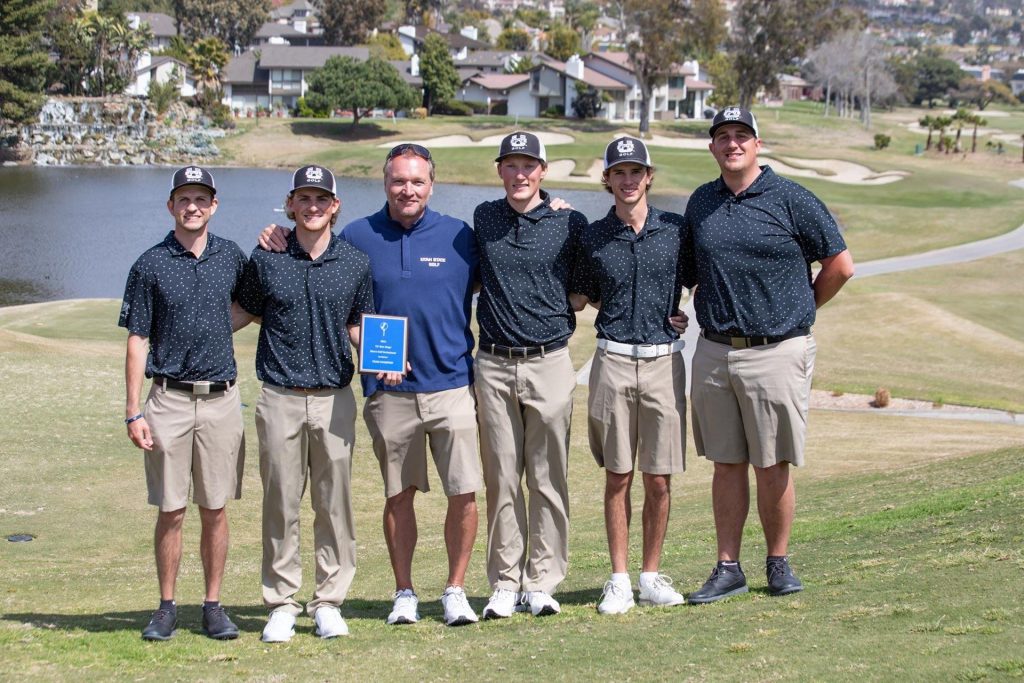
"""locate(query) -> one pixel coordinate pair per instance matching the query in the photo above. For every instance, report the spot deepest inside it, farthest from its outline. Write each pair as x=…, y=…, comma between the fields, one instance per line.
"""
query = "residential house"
x=275, y=75
x=983, y=72
x=160, y=69
x=794, y=88
x=626, y=106
x=161, y=25
x=273, y=33
x=502, y=93
x=1017, y=83
x=412, y=37
x=687, y=92
x=300, y=15
x=493, y=61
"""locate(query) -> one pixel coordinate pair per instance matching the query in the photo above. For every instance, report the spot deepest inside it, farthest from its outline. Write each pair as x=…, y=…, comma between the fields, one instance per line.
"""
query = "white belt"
x=641, y=350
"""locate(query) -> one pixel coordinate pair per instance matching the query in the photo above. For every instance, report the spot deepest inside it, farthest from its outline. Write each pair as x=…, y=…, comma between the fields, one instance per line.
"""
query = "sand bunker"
x=490, y=141
x=834, y=171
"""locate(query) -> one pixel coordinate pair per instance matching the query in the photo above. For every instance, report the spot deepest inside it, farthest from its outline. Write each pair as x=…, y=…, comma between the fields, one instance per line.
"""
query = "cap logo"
x=193, y=173
x=314, y=174
x=625, y=146
x=731, y=114
x=518, y=141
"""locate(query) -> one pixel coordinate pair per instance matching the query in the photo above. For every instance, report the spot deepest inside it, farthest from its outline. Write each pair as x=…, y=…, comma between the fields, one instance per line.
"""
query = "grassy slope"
x=901, y=549
x=946, y=200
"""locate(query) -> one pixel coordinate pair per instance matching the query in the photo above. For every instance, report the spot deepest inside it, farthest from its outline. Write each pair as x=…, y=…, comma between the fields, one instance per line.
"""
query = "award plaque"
x=383, y=343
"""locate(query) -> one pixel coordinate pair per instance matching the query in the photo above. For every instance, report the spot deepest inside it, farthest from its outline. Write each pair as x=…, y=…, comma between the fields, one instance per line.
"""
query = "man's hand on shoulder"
x=274, y=237
x=557, y=203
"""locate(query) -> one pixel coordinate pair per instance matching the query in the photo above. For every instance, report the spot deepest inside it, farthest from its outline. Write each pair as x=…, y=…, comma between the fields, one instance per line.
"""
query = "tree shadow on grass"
x=343, y=130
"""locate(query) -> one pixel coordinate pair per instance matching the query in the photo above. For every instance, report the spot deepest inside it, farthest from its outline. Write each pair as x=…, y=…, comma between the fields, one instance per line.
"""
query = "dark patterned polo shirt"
x=305, y=305
x=182, y=304
x=750, y=255
x=526, y=262
x=635, y=276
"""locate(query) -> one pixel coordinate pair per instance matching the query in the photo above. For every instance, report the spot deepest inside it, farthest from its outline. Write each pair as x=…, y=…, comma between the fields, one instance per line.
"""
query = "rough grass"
x=908, y=538
x=949, y=334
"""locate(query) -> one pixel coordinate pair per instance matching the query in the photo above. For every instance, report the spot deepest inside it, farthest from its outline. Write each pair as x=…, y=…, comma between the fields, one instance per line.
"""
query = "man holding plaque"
x=525, y=380
x=310, y=298
x=424, y=265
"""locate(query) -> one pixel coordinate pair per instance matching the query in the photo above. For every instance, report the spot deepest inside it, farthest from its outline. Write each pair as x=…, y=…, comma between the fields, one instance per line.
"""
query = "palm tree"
x=205, y=59
x=929, y=123
x=977, y=120
x=961, y=118
x=941, y=124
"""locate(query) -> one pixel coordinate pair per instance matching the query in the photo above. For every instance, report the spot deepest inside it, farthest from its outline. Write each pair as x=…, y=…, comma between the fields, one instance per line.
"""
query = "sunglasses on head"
x=418, y=150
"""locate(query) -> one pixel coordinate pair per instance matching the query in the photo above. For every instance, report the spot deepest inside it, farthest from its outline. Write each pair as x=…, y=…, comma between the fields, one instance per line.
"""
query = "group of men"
x=746, y=244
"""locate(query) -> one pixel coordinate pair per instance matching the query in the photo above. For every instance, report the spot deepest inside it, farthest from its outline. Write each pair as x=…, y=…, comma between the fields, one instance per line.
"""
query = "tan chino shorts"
x=750, y=405
x=197, y=441
x=402, y=423
x=637, y=412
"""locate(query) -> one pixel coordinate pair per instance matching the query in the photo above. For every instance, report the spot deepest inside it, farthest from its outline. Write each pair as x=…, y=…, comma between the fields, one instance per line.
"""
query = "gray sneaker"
x=217, y=624
x=161, y=625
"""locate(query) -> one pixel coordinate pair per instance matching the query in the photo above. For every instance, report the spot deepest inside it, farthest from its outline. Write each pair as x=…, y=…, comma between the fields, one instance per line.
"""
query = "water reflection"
x=74, y=232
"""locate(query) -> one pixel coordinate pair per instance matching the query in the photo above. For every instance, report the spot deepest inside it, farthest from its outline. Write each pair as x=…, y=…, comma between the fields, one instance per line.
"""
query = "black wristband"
x=133, y=418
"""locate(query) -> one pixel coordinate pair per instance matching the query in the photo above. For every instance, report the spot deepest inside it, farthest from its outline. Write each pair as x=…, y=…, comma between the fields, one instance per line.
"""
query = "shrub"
x=302, y=109
x=477, y=107
x=882, y=398
x=882, y=140
x=555, y=112
x=453, y=108
x=163, y=95
x=500, y=109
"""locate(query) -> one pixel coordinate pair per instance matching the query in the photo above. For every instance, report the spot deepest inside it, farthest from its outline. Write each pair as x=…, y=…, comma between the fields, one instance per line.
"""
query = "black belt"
x=523, y=351
x=747, y=342
x=195, y=388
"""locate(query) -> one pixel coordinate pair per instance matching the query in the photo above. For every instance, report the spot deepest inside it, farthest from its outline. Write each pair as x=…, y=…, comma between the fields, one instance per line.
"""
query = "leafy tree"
x=770, y=35
x=588, y=103
x=723, y=75
x=983, y=93
x=706, y=29
x=960, y=118
x=118, y=8
x=387, y=46
x=163, y=95
x=582, y=15
x=659, y=28
x=347, y=22
x=103, y=52
x=73, y=48
x=346, y=83
x=934, y=76
x=513, y=39
x=440, y=79
x=206, y=59
x=235, y=23
x=23, y=58
x=523, y=65
x=563, y=42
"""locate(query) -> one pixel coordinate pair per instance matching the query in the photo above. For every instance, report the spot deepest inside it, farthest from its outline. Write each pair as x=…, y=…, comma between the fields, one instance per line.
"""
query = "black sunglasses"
x=399, y=150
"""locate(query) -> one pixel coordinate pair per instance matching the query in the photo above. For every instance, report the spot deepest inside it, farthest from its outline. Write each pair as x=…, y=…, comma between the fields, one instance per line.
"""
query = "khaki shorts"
x=637, y=409
x=400, y=425
x=197, y=441
x=750, y=405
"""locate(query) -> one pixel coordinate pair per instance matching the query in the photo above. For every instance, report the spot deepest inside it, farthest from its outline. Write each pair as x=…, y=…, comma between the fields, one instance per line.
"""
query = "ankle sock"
x=621, y=578
x=647, y=578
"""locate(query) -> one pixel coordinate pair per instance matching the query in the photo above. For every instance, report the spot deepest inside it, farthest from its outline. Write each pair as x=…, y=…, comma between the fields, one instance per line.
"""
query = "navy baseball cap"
x=314, y=176
x=734, y=115
x=192, y=175
x=626, y=150
x=520, y=142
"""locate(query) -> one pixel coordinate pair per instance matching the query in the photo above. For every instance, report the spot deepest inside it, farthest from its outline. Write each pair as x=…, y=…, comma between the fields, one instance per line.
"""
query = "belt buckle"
x=200, y=388
x=740, y=342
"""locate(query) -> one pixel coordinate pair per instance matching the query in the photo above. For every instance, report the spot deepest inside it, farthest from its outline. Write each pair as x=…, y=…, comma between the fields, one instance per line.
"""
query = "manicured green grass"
x=907, y=536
